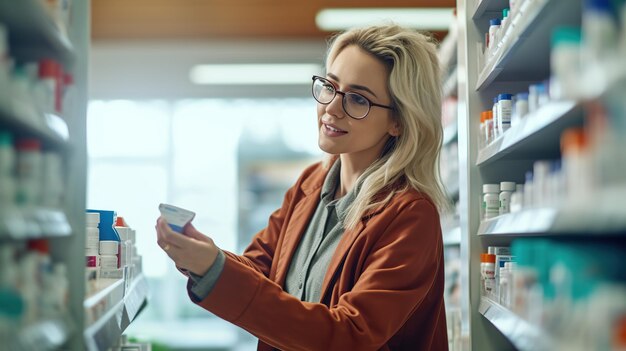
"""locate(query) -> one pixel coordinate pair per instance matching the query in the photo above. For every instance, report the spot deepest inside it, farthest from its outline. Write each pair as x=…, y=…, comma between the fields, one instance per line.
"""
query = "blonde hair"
x=412, y=158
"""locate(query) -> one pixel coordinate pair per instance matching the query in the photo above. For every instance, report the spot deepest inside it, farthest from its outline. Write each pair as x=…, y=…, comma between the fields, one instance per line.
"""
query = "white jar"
x=487, y=273
x=505, y=110
x=491, y=200
x=506, y=190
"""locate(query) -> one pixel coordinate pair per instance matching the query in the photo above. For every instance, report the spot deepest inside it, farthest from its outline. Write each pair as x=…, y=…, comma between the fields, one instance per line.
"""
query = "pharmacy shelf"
x=523, y=53
x=537, y=133
x=523, y=335
x=486, y=6
x=47, y=334
x=450, y=133
x=607, y=217
x=33, y=35
x=452, y=236
x=23, y=119
x=20, y=224
x=111, y=309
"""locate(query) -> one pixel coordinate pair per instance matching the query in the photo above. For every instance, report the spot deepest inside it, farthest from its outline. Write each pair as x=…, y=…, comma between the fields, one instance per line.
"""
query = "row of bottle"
x=603, y=37
x=583, y=60
x=500, y=29
x=32, y=286
x=564, y=288
x=508, y=110
x=110, y=250
x=29, y=176
x=33, y=89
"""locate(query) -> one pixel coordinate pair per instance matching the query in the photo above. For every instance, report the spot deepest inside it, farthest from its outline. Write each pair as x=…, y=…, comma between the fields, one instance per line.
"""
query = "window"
x=201, y=155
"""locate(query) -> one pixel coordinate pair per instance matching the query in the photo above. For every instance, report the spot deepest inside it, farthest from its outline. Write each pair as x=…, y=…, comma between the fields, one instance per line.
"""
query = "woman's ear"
x=394, y=131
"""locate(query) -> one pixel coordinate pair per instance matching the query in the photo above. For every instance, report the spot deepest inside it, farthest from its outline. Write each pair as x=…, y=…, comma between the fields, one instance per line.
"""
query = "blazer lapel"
x=295, y=229
x=339, y=256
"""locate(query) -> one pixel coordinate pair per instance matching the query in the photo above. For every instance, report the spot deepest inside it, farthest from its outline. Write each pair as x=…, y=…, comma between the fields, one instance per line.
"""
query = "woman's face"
x=361, y=141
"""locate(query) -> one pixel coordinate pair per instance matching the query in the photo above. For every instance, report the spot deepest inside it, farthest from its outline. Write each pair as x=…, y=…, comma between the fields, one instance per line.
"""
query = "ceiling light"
x=418, y=18
x=252, y=74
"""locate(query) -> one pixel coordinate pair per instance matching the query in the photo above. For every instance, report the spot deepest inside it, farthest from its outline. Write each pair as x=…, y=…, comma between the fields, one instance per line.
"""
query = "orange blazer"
x=383, y=289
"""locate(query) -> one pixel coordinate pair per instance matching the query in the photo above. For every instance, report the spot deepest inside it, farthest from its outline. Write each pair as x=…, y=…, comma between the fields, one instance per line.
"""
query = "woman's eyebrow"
x=352, y=86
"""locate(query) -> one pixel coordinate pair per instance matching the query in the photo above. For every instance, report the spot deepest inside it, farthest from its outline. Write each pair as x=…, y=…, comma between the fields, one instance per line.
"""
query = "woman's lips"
x=332, y=131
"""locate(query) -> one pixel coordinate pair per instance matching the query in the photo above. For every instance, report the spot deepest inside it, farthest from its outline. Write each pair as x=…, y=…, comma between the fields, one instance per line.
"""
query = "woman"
x=353, y=260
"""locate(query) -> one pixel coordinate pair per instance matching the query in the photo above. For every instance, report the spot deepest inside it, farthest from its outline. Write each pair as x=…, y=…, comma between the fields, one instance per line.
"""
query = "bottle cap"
x=505, y=13
x=120, y=222
x=39, y=245
x=573, y=139
x=28, y=145
x=49, y=69
x=5, y=138
x=507, y=186
x=522, y=96
x=489, y=114
x=494, y=22
x=504, y=97
x=491, y=188
x=487, y=258
x=566, y=35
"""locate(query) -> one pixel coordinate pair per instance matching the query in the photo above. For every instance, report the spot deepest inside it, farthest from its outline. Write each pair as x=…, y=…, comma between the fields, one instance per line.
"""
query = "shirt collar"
x=330, y=185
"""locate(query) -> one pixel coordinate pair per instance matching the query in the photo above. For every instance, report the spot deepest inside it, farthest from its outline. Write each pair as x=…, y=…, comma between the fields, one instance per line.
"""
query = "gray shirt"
x=317, y=246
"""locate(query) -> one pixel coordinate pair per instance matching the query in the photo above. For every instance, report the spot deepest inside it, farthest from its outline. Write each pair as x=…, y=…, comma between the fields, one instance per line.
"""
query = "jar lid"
x=507, y=186
x=491, y=188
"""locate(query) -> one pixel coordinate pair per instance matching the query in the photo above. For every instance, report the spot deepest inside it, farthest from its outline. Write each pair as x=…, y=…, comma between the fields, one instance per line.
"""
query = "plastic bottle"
x=506, y=278
x=577, y=165
x=520, y=109
x=7, y=162
x=488, y=127
x=491, y=200
x=47, y=88
x=528, y=190
x=28, y=171
x=505, y=109
x=600, y=29
x=487, y=273
x=92, y=241
x=533, y=98
x=494, y=26
x=506, y=191
x=503, y=25
x=565, y=62
x=53, y=188
x=496, y=119
x=517, y=199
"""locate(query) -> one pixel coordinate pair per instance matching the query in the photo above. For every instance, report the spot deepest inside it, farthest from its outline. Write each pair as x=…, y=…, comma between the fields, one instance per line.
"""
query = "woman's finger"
x=192, y=232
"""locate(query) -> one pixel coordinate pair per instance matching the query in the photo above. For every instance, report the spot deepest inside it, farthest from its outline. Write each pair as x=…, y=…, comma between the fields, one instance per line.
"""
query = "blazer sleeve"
x=398, y=275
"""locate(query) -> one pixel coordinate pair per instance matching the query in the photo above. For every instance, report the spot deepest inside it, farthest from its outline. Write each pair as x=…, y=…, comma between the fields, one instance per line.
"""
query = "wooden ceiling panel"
x=222, y=19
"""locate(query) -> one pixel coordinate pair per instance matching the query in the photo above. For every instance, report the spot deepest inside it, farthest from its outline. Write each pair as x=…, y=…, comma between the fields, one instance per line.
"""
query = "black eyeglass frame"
x=343, y=100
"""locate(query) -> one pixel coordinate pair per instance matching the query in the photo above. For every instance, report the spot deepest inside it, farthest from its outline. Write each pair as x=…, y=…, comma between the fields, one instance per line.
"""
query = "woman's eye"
x=329, y=88
x=358, y=99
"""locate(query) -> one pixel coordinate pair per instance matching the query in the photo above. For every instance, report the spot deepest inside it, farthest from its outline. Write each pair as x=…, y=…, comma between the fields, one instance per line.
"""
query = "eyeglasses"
x=356, y=105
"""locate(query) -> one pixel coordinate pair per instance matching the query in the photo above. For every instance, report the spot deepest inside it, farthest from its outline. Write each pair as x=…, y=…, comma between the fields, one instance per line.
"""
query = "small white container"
x=109, y=247
x=491, y=200
x=505, y=110
x=108, y=262
x=506, y=190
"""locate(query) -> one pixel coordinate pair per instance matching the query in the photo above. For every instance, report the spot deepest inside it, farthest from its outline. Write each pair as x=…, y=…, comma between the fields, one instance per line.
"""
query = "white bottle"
x=517, y=199
x=491, y=200
x=494, y=26
x=505, y=110
x=495, y=119
x=520, y=109
x=528, y=191
x=506, y=191
x=487, y=273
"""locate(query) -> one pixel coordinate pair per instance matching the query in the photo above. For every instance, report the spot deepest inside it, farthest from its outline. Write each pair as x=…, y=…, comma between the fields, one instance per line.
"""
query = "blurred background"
x=220, y=93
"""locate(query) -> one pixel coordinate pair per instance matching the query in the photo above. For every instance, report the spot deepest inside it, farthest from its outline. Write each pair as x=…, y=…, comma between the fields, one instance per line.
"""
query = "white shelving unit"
x=522, y=58
x=93, y=322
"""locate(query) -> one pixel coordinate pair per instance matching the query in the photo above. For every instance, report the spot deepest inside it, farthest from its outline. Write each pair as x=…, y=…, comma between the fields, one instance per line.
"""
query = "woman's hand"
x=192, y=250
